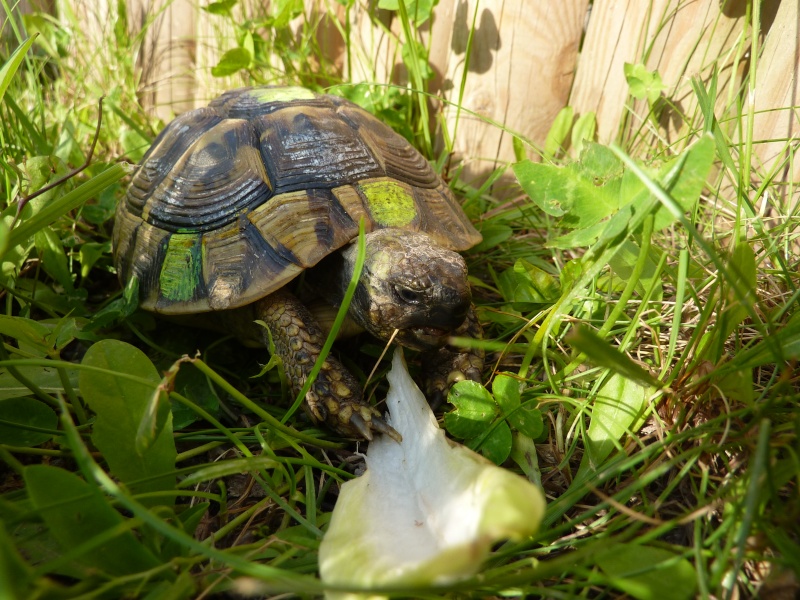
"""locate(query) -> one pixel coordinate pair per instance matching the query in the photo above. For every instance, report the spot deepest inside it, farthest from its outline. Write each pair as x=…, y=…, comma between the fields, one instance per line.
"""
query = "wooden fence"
x=528, y=60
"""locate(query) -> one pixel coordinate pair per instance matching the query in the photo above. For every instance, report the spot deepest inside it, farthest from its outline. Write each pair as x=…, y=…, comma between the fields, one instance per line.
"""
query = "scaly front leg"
x=446, y=366
x=335, y=397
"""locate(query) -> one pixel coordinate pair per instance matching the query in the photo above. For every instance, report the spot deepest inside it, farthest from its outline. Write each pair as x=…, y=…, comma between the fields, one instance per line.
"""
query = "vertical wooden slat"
x=776, y=128
x=215, y=35
x=374, y=52
x=167, y=55
x=680, y=39
x=696, y=38
x=617, y=33
x=519, y=74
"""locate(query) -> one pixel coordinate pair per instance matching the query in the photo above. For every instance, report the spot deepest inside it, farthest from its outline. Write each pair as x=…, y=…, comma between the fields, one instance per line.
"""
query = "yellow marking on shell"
x=180, y=271
x=282, y=94
x=390, y=202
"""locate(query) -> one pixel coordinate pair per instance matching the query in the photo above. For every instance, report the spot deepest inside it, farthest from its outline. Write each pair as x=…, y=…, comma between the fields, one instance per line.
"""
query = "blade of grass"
x=9, y=69
x=284, y=579
x=418, y=82
x=66, y=203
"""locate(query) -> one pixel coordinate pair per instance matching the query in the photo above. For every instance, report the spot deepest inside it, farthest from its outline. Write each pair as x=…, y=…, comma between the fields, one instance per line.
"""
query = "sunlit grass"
x=687, y=321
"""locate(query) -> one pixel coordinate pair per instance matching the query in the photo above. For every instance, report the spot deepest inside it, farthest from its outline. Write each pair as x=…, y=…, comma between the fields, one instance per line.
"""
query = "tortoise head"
x=411, y=284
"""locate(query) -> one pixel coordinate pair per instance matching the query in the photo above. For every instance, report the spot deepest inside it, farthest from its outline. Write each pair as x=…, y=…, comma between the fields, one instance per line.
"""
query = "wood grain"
x=776, y=129
x=518, y=73
x=617, y=33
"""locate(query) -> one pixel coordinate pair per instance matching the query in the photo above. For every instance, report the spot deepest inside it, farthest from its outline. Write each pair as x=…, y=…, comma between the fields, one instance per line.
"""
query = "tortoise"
x=235, y=200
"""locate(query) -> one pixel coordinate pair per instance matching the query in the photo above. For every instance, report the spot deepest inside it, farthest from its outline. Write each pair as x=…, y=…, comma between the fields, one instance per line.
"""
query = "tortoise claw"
x=382, y=426
x=360, y=425
x=365, y=428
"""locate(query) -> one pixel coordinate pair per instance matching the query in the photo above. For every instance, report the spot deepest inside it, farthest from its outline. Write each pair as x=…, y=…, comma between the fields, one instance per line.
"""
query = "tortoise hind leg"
x=446, y=366
x=335, y=397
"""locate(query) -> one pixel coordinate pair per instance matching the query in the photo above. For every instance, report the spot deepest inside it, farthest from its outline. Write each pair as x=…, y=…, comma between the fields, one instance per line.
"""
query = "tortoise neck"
x=331, y=277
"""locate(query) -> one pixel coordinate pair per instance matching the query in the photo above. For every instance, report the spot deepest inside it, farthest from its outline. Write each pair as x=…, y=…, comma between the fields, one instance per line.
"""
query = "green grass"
x=650, y=315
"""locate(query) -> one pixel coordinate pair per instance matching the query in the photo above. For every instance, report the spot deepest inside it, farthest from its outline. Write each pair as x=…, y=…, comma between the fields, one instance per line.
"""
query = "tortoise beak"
x=430, y=328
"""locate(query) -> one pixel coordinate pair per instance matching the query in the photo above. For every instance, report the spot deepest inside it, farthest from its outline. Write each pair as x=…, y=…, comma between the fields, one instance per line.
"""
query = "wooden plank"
x=519, y=73
x=215, y=35
x=680, y=39
x=697, y=39
x=374, y=52
x=617, y=33
x=166, y=58
x=776, y=128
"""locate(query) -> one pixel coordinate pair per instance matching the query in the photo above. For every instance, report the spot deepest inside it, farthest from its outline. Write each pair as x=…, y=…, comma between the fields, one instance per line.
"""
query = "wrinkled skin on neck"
x=408, y=283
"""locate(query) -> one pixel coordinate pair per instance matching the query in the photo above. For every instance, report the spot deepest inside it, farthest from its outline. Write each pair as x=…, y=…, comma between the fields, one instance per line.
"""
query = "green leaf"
x=742, y=265
x=284, y=11
x=579, y=238
x=76, y=512
x=10, y=67
x=520, y=153
x=474, y=410
x=525, y=286
x=45, y=378
x=497, y=445
x=528, y=420
x=583, y=131
x=506, y=391
x=90, y=253
x=782, y=345
x=493, y=235
x=523, y=452
x=27, y=332
x=419, y=11
x=191, y=383
x=737, y=385
x=117, y=309
x=121, y=404
x=62, y=205
x=54, y=260
x=618, y=408
x=231, y=62
x=559, y=131
x=24, y=421
x=684, y=178
x=546, y=186
x=5, y=232
x=647, y=573
x=602, y=353
x=584, y=193
x=15, y=573
x=134, y=144
x=644, y=83
x=624, y=261
x=223, y=7
x=414, y=50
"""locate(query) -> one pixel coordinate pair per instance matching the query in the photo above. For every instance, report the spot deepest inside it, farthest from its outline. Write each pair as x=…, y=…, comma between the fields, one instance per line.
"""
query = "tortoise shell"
x=234, y=200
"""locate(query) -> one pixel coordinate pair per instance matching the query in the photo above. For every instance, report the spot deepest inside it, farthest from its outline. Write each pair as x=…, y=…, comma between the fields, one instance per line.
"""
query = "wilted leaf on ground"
x=428, y=510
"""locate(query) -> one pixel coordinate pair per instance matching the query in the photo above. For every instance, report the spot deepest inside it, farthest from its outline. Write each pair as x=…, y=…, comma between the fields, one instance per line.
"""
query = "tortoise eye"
x=408, y=295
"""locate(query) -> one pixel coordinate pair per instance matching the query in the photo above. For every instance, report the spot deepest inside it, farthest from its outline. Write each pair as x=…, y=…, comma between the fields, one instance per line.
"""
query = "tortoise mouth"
x=425, y=338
